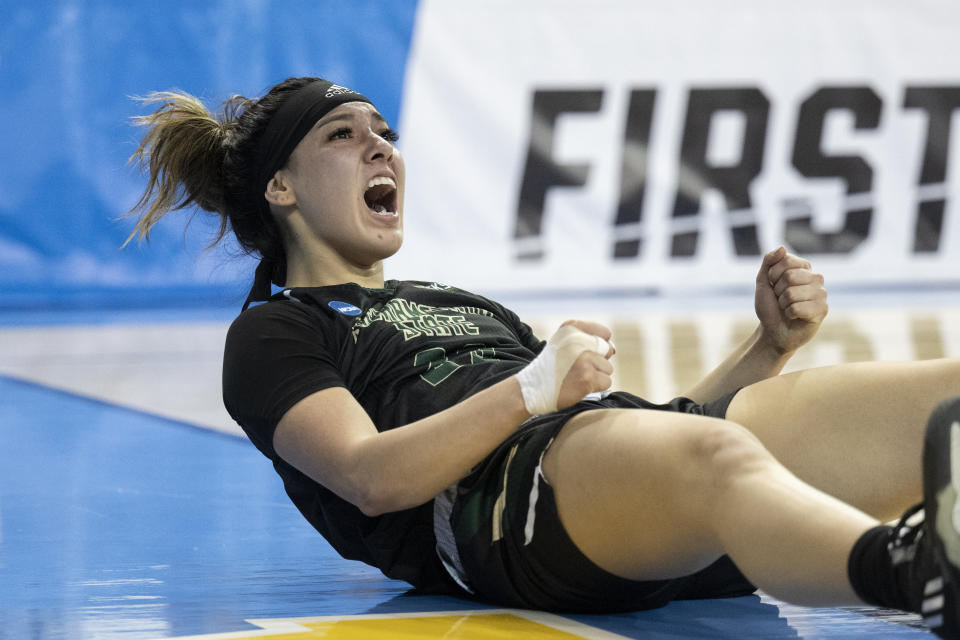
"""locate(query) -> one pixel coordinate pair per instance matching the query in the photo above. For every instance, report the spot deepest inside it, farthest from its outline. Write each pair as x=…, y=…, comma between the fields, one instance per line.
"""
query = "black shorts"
x=513, y=550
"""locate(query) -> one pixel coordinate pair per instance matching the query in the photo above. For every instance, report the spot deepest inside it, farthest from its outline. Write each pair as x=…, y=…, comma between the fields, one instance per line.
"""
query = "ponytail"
x=182, y=152
x=193, y=158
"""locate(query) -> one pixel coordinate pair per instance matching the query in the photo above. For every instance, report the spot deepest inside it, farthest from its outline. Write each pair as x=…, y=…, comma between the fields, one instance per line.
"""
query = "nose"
x=379, y=147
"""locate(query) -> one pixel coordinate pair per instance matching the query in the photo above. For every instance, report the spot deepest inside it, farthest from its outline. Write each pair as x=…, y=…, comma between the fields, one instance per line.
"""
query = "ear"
x=280, y=191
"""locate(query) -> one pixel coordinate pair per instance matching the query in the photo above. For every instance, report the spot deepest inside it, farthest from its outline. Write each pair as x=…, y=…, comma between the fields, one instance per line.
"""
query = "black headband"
x=292, y=121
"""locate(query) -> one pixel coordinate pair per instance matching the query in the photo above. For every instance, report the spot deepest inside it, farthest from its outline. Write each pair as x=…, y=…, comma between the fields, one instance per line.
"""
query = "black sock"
x=872, y=573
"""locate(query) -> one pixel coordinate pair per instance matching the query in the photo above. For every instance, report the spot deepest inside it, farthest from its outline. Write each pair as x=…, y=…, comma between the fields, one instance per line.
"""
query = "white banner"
x=607, y=144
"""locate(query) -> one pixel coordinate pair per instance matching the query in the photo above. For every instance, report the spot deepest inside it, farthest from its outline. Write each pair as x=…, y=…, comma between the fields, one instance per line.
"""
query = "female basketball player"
x=425, y=430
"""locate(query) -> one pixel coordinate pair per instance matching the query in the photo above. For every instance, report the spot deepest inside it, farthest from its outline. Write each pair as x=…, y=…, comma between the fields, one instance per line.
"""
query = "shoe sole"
x=941, y=489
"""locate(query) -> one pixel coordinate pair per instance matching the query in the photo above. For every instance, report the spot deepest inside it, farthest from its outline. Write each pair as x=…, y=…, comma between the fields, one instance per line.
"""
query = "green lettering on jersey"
x=414, y=320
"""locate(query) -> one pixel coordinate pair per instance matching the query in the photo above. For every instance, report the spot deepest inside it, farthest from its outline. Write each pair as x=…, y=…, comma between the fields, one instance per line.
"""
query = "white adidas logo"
x=932, y=607
x=337, y=90
x=933, y=596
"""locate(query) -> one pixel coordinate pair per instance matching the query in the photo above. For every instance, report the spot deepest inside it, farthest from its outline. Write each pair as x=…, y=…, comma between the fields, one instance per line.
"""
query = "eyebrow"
x=347, y=116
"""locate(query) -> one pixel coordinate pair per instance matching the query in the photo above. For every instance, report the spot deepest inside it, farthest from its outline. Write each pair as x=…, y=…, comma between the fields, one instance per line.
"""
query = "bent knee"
x=722, y=452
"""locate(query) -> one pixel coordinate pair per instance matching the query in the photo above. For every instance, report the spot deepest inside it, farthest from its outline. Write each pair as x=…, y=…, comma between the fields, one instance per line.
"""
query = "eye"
x=341, y=134
x=390, y=135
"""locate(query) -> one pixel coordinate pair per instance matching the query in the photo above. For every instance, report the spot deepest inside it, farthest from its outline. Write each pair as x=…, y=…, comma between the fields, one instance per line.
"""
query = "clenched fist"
x=574, y=363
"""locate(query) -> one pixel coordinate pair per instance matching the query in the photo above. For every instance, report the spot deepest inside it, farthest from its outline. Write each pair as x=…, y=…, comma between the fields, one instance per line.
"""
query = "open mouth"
x=381, y=196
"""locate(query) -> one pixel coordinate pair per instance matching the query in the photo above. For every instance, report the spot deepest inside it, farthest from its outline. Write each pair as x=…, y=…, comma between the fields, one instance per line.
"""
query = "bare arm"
x=752, y=361
x=790, y=302
x=329, y=437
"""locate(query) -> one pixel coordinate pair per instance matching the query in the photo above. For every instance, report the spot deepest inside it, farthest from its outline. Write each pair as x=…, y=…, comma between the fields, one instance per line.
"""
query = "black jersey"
x=404, y=352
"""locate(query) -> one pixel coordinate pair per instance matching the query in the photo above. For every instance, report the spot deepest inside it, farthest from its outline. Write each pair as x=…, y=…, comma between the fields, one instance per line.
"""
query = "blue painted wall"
x=67, y=73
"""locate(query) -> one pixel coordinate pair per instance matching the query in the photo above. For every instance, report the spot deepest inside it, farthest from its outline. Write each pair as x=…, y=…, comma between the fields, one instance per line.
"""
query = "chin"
x=392, y=245
x=379, y=254
x=391, y=253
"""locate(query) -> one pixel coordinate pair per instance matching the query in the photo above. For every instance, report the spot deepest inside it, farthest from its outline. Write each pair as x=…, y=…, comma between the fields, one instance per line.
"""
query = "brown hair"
x=194, y=158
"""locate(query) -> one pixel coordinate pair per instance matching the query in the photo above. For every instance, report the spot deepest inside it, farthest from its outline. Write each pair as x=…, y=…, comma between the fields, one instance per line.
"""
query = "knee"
x=723, y=453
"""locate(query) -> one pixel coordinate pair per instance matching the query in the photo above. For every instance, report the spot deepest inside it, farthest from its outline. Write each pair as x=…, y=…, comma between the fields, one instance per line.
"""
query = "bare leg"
x=854, y=431
x=652, y=495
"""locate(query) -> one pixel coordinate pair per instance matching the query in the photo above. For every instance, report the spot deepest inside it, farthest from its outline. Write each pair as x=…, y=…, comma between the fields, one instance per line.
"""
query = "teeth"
x=381, y=180
x=381, y=210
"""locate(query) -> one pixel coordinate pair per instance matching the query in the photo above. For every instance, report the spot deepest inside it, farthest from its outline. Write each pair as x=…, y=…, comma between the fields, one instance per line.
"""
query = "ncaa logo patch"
x=345, y=308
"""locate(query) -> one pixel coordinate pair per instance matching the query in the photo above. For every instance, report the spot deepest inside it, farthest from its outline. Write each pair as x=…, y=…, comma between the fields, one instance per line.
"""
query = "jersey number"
x=439, y=367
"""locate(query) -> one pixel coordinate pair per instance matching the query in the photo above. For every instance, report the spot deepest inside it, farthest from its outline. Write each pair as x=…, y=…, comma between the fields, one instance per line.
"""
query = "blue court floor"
x=122, y=518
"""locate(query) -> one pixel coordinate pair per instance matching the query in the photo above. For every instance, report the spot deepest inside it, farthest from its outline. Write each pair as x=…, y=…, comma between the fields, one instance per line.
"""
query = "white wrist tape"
x=540, y=381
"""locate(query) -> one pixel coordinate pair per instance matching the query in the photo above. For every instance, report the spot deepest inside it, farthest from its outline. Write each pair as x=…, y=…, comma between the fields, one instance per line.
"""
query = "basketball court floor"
x=131, y=507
